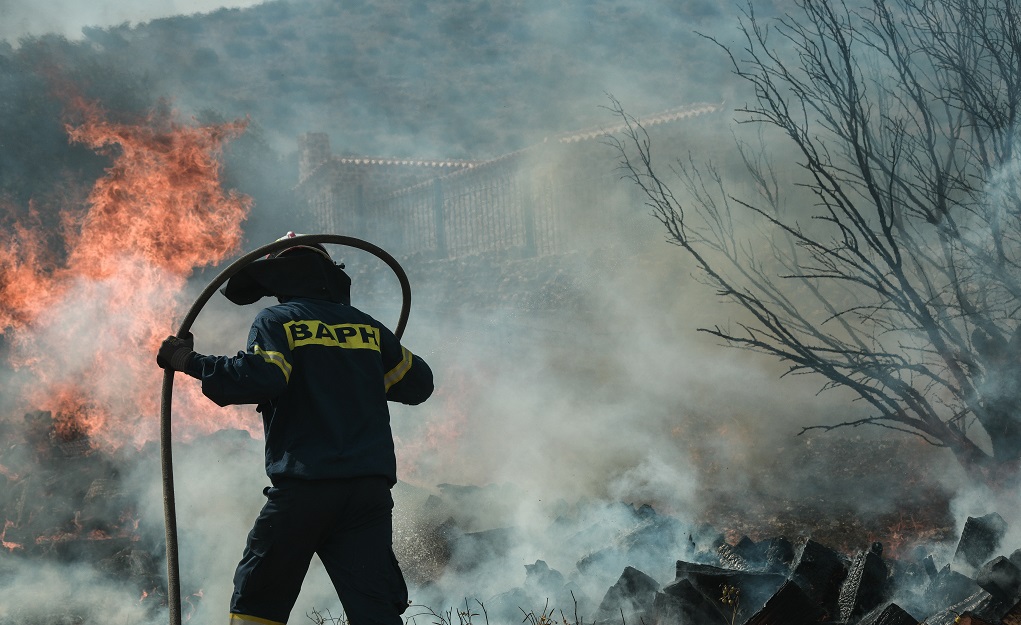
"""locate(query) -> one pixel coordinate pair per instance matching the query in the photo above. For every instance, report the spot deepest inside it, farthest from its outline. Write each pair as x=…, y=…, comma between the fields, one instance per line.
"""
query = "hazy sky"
x=67, y=17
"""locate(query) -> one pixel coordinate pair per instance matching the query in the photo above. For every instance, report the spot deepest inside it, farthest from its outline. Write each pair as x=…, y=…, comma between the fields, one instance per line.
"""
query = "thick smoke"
x=549, y=430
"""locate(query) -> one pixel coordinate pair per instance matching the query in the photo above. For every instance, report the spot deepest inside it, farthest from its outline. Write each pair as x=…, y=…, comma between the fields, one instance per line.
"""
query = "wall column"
x=441, y=232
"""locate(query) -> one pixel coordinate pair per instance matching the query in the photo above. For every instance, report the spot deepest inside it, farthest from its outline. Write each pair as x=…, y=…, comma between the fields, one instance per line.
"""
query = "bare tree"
x=889, y=262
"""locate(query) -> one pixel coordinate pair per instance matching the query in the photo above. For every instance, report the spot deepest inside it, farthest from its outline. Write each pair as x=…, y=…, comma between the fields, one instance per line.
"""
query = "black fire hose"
x=166, y=454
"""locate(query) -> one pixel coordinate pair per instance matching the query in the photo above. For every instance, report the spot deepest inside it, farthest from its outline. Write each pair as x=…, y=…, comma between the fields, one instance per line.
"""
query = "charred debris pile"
x=65, y=503
x=791, y=582
x=772, y=581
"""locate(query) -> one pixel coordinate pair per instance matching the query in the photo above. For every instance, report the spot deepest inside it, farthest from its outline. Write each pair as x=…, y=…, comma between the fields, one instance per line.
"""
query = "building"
x=551, y=198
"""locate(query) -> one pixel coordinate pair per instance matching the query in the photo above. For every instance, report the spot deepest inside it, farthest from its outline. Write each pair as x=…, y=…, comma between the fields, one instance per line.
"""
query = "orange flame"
x=85, y=329
x=438, y=435
x=9, y=545
x=10, y=475
x=190, y=605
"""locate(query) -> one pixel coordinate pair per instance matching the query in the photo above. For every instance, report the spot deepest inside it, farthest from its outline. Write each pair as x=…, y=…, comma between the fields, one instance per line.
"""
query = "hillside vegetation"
x=431, y=79
x=460, y=79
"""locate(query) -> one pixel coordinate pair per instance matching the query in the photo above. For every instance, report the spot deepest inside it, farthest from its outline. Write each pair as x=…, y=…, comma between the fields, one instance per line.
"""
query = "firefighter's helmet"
x=314, y=247
x=303, y=270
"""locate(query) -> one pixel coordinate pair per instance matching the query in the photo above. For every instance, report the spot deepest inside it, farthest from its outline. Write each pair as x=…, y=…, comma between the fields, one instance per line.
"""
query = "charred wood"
x=970, y=619
x=738, y=557
x=681, y=602
x=980, y=605
x=1013, y=616
x=779, y=555
x=789, y=606
x=820, y=571
x=1001, y=578
x=979, y=541
x=866, y=584
x=752, y=589
x=633, y=596
x=950, y=588
x=892, y=614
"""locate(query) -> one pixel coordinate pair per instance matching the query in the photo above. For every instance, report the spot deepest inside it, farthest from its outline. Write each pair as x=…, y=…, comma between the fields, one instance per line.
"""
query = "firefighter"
x=320, y=372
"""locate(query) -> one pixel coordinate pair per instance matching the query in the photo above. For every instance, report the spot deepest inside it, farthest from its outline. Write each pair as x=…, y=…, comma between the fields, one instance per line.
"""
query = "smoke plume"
x=592, y=436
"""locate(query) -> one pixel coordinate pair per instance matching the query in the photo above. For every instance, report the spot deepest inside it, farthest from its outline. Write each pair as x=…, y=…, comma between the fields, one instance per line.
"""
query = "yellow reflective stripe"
x=396, y=374
x=245, y=618
x=275, y=358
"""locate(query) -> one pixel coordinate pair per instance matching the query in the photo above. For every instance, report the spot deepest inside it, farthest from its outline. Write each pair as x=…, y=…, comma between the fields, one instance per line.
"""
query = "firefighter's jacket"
x=321, y=374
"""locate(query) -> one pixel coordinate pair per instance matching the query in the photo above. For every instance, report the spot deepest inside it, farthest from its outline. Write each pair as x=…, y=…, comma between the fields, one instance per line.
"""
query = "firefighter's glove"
x=175, y=352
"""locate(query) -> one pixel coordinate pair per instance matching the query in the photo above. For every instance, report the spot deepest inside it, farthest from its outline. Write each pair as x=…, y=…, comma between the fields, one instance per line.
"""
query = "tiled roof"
x=405, y=162
x=370, y=161
x=670, y=115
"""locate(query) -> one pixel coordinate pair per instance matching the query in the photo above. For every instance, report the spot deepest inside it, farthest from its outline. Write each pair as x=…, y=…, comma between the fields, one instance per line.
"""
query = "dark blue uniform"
x=321, y=374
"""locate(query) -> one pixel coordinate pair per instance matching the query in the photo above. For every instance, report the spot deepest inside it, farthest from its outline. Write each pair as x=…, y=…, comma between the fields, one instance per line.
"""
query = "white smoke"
x=21, y=18
x=566, y=423
x=67, y=593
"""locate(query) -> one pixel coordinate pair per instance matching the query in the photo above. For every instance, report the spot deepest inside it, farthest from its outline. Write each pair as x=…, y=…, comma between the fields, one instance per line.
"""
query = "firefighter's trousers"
x=349, y=524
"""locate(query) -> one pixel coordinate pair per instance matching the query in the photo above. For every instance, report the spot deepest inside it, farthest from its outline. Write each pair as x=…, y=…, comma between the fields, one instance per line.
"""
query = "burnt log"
x=739, y=557
x=774, y=555
x=790, y=605
x=865, y=586
x=654, y=535
x=820, y=571
x=704, y=543
x=911, y=576
x=469, y=550
x=542, y=582
x=540, y=575
x=641, y=546
x=979, y=541
x=949, y=588
x=892, y=614
x=779, y=555
x=602, y=562
x=632, y=596
x=752, y=588
x=980, y=605
x=971, y=619
x=1001, y=578
x=1013, y=616
x=544, y=588
x=681, y=602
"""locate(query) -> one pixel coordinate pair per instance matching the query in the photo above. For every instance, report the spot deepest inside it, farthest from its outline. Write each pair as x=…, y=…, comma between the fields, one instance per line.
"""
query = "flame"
x=83, y=323
x=906, y=532
x=442, y=434
x=75, y=530
x=154, y=592
x=71, y=532
x=9, y=474
x=189, y=605
x=10, y=546
x=24, y=289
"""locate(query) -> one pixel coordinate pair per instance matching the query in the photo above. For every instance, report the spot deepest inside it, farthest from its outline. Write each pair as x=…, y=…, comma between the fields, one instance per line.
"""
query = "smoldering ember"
x=67, y=504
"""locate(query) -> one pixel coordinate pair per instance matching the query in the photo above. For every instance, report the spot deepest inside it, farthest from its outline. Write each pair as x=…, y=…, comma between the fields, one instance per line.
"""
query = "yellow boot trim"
x=238, y=619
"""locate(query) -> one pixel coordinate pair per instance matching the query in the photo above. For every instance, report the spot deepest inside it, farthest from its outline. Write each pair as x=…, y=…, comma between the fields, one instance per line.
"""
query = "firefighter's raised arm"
x=407, y=377
x=410, y=381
